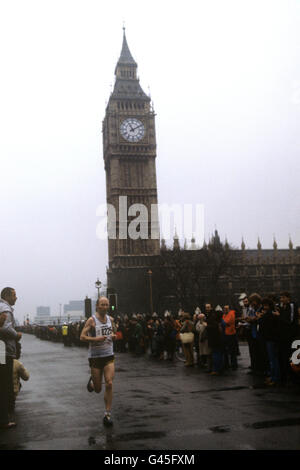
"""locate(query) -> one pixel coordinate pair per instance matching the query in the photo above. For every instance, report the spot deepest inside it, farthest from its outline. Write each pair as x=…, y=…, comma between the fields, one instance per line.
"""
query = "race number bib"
x=106, y=331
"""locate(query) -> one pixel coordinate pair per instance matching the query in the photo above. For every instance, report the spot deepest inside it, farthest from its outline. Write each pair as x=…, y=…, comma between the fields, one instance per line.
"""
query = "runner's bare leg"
x=109, y=373
x=97, y=375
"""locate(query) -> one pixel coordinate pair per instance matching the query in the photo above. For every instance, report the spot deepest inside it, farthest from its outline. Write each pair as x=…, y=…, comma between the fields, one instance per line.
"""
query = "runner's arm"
x=114, y=329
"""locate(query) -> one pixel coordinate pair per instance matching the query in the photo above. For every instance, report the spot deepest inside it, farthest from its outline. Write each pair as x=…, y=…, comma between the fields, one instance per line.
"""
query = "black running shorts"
x=100, y=362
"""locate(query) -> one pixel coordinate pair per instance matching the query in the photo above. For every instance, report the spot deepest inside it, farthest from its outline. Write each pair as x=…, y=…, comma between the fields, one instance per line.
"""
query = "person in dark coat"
x=268, y=323
x=288, y=317
x=216, y=340
x=170, y=336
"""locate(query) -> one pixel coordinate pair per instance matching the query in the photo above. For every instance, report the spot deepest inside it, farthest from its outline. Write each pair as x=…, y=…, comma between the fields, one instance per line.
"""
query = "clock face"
x=132, y=129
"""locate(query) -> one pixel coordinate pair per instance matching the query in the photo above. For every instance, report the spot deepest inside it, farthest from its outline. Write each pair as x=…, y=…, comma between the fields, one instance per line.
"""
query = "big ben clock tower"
x=129, y=152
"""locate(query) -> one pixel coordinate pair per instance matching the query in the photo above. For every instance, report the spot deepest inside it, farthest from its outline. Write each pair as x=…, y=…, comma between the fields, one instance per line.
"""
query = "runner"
x=99, y=332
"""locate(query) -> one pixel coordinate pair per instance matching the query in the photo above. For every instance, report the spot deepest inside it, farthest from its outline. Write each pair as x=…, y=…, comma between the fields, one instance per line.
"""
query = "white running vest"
x=103, y=348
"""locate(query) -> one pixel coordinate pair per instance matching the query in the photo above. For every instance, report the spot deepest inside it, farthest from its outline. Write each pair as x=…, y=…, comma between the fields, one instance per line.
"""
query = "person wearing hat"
x=215, y=340
x=244, y=327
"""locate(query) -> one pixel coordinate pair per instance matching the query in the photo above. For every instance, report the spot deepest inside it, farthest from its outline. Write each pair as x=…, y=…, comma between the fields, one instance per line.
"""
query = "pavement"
x=157, y=405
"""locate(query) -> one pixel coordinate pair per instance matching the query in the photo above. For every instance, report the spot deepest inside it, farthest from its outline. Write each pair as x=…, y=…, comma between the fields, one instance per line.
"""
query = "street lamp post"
x=150, y=288
x=98, y=286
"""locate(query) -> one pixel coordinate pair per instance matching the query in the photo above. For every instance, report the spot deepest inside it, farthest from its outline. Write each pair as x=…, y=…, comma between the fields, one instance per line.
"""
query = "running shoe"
x=107, y=421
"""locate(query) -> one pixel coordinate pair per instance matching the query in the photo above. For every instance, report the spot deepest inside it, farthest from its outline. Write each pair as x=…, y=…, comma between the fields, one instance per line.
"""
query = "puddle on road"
x=92, y=441
x=111, y=441
x=220, y=429
x=135, y=436
x=140, y=376
x=277, y=423
x=240, y=428
x=103, y=442
x=224, y=389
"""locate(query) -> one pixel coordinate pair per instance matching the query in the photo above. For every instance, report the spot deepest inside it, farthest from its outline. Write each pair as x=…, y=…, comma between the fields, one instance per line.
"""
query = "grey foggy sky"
x=225, y=81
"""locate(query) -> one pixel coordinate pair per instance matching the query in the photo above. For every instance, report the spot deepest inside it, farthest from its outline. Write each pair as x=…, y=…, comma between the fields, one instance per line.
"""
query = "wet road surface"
x=156, y=406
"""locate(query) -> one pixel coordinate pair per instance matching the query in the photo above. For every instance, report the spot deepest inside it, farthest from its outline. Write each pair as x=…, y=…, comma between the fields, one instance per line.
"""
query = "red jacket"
x=229, y=319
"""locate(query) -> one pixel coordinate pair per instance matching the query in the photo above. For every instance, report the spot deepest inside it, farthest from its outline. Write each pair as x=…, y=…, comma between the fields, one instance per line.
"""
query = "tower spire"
x=125, y=56
x=127, y=85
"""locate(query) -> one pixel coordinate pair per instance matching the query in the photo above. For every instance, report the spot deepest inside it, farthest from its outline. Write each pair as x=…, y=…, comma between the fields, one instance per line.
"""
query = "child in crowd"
x=19, y=372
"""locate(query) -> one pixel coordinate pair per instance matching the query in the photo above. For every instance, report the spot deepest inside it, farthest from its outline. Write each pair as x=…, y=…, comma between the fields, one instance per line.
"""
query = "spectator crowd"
x=208, y=339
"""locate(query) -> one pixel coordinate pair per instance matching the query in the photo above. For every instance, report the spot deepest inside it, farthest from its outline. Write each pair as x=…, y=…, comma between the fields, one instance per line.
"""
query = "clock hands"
x=133, y=129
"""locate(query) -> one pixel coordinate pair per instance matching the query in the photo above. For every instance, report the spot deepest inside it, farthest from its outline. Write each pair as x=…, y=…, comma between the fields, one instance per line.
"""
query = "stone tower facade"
x=129, y=152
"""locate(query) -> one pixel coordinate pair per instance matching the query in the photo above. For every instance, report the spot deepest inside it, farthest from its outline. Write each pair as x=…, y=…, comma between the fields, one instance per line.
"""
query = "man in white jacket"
x=10, y=336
